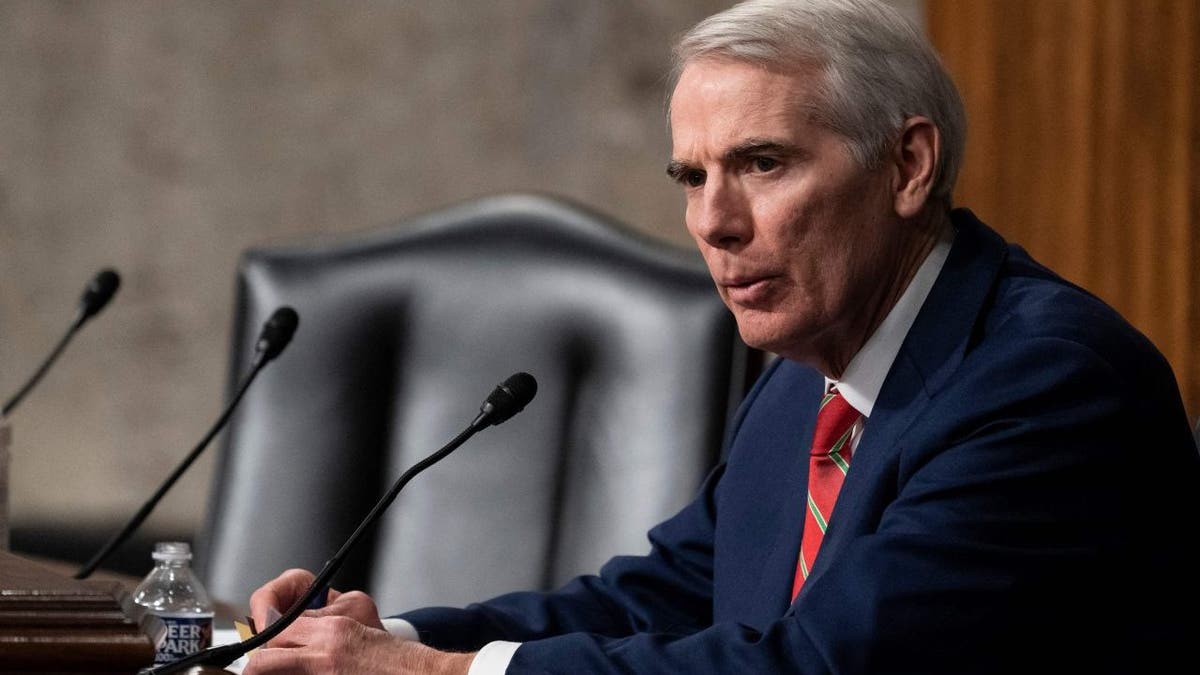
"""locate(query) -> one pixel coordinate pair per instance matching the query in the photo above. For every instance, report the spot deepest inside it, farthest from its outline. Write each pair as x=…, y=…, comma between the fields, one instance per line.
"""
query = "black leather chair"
x=402, y=334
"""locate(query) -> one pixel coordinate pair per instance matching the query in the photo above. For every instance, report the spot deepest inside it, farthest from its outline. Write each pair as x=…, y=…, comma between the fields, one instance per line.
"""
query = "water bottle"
x=173, y=593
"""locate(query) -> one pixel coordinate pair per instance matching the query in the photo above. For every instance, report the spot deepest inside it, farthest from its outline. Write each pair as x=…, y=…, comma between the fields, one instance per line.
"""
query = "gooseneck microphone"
x=275, y=335
x=506, y=400
x=99, y=291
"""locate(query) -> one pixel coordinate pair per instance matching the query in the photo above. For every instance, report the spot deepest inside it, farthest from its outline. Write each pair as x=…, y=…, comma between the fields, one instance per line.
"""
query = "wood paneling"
x=1084, y=147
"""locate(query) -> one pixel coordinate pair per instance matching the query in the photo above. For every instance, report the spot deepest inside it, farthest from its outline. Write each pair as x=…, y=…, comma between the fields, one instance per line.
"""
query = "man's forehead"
x=706, y=74
x=722, y=106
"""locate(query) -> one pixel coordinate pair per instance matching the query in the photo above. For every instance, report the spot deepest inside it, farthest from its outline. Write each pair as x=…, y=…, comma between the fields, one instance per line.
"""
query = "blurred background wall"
x=163, y=138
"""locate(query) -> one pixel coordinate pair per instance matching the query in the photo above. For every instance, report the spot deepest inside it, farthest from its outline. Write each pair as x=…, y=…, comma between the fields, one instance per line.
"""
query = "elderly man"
x=1010, y=461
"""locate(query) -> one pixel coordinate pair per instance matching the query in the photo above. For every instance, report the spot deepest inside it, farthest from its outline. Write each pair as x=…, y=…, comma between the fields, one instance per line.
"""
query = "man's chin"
x=774, y=337
x=763, y=337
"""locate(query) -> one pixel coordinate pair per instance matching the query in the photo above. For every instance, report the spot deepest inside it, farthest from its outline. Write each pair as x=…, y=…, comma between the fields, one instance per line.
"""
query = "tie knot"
x=835, y=419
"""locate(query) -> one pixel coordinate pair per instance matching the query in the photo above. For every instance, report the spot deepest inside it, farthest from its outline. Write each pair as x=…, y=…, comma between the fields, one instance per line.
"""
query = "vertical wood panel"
x=1083, y=147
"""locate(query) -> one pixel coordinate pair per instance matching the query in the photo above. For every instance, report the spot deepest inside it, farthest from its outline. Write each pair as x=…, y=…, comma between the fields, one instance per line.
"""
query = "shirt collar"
x=863, y=378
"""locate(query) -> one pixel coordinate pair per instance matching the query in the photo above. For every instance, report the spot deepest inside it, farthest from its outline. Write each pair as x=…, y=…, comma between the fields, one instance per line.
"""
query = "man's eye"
x=764, y=164
x=693, y=178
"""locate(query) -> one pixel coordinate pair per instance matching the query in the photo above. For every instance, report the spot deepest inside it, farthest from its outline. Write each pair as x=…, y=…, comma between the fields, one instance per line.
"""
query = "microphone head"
x=277, y=333
x=508, y=398
x=99, y=291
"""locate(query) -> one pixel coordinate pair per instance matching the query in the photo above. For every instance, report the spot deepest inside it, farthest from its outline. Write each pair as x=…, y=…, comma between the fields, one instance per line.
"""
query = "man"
x=1010, y=462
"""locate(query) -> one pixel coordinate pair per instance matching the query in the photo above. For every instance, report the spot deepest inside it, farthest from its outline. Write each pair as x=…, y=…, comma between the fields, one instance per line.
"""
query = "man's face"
x=795, y=233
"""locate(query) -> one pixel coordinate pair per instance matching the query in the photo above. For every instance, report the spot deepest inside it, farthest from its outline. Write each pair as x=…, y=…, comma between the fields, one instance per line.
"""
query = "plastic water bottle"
x=173, y=593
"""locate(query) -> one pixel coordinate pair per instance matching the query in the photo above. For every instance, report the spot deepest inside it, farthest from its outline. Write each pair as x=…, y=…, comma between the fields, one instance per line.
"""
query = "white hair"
x=879, y=70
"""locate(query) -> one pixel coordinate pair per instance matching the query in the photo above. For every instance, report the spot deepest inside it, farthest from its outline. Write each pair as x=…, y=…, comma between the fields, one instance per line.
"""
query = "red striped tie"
x=828, y=462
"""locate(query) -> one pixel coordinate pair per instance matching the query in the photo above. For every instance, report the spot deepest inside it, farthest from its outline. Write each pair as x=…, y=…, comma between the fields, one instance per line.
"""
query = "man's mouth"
x=749, y=290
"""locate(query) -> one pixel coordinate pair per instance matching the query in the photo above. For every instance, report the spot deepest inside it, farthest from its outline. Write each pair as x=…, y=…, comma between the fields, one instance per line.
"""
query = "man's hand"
x=344, y=636
x=338, y=645
x=283, y=591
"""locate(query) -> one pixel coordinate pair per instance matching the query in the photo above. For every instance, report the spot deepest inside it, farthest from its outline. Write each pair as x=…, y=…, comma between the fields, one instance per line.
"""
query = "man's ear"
x=914, y=161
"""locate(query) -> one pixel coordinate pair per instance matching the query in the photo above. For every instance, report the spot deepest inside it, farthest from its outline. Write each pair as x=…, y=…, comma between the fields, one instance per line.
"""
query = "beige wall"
x=163, y=138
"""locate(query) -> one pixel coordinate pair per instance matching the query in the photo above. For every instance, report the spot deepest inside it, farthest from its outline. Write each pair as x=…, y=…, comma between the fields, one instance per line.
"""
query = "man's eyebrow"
x=757, y=146
x=676, y=169
x=748, y=148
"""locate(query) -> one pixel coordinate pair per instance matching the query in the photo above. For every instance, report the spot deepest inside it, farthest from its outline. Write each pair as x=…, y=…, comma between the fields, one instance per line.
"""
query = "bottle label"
x=184, y=635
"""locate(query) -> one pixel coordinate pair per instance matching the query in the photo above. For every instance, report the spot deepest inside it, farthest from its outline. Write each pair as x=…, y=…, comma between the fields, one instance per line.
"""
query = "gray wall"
x=163, y=138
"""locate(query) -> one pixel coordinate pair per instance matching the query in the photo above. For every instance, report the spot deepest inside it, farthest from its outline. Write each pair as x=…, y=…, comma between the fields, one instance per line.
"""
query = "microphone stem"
x=321, y=583
x=37, y=375
x=227, y=654
x=120, y=537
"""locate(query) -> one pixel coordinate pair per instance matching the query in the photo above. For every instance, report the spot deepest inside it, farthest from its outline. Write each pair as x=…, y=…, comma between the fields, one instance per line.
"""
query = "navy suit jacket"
x=1021, y=500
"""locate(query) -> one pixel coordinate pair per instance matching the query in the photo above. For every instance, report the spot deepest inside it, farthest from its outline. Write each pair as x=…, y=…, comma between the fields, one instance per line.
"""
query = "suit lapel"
x=760, y=501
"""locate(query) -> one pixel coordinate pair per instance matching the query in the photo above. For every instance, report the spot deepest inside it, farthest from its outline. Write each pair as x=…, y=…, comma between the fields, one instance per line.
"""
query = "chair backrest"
x=402, y=334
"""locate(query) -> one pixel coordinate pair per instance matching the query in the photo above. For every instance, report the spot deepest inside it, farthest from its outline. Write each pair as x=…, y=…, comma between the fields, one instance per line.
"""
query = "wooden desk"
x=52, y=623
x=225, y=613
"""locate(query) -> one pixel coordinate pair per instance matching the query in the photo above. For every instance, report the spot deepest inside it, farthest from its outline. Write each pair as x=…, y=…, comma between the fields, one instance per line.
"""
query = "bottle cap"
x=172, y=550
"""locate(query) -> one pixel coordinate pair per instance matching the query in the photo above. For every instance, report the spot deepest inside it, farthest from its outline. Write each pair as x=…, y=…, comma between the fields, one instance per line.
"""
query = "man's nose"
x=721, y=216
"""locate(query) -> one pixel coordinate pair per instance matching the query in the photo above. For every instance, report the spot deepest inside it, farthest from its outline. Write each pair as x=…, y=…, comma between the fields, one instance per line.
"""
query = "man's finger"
x=299, y=634
x=279, y=594
x=269, y=660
